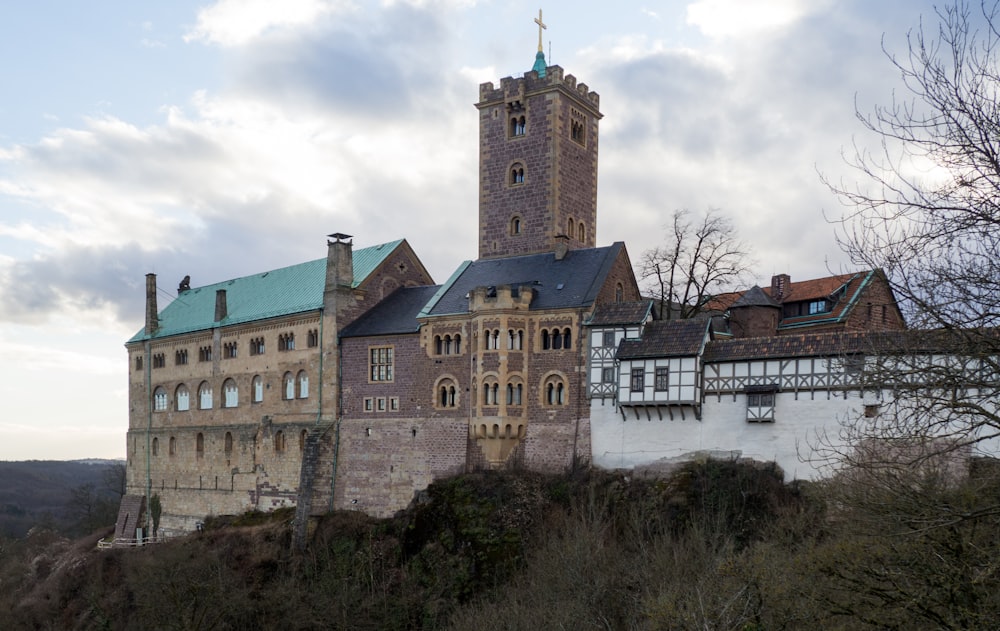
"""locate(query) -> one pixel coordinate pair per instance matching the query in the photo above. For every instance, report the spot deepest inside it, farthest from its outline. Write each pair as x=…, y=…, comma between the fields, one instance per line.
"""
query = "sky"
x=220, y=139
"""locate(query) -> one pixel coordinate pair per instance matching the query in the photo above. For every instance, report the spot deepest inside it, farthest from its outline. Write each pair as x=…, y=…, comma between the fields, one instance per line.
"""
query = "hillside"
x=34, y=492
x=715, y=546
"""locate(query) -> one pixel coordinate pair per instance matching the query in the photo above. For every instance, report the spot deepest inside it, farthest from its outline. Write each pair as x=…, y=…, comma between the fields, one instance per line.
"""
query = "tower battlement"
x=513, y=88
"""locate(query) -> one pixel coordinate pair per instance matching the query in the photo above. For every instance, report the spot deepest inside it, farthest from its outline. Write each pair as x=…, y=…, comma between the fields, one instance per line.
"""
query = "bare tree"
x=926, y=210
x=701, y=255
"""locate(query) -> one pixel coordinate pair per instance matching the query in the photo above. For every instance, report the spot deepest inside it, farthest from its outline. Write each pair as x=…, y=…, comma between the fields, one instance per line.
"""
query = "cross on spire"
x=541, y=25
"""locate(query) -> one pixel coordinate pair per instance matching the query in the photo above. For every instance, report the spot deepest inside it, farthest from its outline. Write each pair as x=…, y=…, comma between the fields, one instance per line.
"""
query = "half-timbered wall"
x=665, y=381
x=601, y=358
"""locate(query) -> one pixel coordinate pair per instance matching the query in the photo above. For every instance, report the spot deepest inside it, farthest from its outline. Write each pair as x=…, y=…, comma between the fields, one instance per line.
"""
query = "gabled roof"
x=574, y=281
x=613, y=313
x=395, y=315
x=274, y=293
x=787, y=346
x=667, y=338
x=848, y=288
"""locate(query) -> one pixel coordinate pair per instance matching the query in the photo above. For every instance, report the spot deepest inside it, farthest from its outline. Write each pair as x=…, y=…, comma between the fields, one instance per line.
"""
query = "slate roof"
x=573, y=281
x=284, y=291
x=667, y=338
x=613, y=313
x=395, y=315
x=755, y=297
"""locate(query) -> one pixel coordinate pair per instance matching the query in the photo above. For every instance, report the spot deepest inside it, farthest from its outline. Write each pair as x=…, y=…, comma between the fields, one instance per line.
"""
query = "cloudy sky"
x=221, y=139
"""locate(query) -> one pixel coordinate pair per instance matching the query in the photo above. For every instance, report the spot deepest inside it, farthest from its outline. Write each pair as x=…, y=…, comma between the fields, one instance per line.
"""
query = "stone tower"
x=537, y=163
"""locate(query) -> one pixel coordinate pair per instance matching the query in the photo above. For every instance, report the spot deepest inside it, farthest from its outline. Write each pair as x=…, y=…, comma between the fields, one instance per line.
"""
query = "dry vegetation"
x=715, y=546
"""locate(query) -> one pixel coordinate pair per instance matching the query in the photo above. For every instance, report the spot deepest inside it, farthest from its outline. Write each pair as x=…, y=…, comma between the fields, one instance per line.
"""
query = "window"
x=303, y=385
x=303, y=438
x=279, y=441
x=369, y=404
x=582, y=232
x=517, y=173
x=172, y=446
x=138, y=362
x=448, y=345
x=619, y=293
x=446, y=393
x=577, y=132
x=380, y=363
x=609, y=338
x=871, y=411
x=515, y=226
x=817, y=306
x=156, y=446
x=228, y=445
x=514, y=393
x=394, y=404
x=380, y=404
x=181, y=357
x=288, y=386
x=182, y=398
x=258, y=389
x=556, y=339
x=199, y=445
x=515, y=339
x=490, y=392
x=229, y=350
x=760, y=403
x=286, y=342
x=159, y=361
x=205, y=354
x=662, y=379
x=608, y=374
x=638, y=381
x=257, y=346
x=312, y=338
x=204, y=396
x=160, y=399
x=555, y=391
x=517, y=125
x=231, y=394
x=570, y=232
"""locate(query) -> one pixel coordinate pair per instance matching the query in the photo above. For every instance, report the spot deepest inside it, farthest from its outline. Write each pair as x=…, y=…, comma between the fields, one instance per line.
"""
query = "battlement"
x=512, y=88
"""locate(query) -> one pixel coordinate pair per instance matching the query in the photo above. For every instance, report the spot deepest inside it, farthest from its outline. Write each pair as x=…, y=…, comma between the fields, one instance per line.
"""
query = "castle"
x=353, y=381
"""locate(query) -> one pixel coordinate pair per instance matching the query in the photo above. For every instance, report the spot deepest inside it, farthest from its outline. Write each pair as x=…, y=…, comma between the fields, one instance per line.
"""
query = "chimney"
x=220, y=305
x=152, y=317
x=562, y=246
x=339, y=261
x=779, y=286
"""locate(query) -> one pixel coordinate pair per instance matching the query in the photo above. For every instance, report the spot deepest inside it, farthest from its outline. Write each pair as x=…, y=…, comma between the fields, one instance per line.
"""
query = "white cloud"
x=236, y=22
x=734, y=18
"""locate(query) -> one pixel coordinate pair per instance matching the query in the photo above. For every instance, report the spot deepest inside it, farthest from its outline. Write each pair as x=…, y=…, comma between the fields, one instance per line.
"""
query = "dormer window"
x=817, y=306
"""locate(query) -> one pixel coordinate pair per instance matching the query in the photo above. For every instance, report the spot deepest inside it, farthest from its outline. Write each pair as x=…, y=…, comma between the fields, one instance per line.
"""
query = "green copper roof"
x=279, y=292
x=539, y=66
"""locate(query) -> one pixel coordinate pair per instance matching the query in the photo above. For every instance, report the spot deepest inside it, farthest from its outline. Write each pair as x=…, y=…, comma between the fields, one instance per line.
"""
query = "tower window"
x=517, y=125
x=577, y=132
x=517, y=173
x=515, y=229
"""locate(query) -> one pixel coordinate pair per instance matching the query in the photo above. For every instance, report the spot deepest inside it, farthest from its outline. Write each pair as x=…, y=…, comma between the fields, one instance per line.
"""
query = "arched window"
x=546, y=342
x=303, y=435
x=514, y=393
x=288, y=386
x=446, y=393
x=156, y=446
x=458, y=344
x=517, y=173
x=582, y=230
x=258, y=389
x=557, y=339
x=228, y=445
x=279, y=441
x=554, y=391
x=438, y=345
x=567, y=338
x=199, y=445
x=570, y=232
x=182, y=398
x=447, y=345
x=619, y=293
x=204, y=396
x=230, y=393
x=515, y=226
x=303, y=385
x=172, y=448
x=160, y=399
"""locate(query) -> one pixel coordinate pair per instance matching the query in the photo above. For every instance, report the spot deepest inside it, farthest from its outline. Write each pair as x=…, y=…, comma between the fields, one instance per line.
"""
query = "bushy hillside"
x=715, y=546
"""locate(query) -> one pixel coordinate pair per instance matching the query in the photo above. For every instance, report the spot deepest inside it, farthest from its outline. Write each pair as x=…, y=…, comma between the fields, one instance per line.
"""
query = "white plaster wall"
x=789, y=440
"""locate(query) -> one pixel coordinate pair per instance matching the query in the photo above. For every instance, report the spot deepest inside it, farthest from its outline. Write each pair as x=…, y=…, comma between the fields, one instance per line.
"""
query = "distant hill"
x=34, y=492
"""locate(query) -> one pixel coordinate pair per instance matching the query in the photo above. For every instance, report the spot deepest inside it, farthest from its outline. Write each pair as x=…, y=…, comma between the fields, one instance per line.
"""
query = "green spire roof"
x=279, y=292
x=539, y=66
